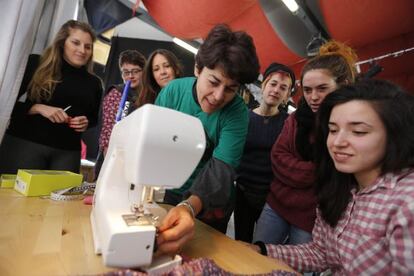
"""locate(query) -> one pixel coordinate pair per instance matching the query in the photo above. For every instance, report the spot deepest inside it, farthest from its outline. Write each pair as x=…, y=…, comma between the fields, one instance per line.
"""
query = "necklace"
x=266, y=118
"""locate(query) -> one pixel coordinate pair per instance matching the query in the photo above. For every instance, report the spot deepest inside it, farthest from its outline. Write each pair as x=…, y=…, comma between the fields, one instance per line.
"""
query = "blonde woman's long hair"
x=48, y=73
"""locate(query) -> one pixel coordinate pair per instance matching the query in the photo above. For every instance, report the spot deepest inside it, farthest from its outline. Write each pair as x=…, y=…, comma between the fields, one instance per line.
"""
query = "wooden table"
x=45, y=237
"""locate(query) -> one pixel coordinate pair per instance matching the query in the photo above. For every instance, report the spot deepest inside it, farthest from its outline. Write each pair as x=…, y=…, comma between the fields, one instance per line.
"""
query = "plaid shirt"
x=375, y=235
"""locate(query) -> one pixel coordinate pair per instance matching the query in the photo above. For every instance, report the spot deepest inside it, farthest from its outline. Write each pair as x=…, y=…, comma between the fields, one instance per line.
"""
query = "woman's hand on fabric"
x=79, y=123
x=54, y=114
x=176, y=229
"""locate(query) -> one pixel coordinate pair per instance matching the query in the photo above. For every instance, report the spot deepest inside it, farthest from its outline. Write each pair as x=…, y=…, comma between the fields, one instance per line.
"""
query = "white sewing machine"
x=153, y=146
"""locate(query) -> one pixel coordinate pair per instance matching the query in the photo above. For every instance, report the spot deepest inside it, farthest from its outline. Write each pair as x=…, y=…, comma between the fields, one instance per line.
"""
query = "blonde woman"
x=254, y=174
x=62, y=101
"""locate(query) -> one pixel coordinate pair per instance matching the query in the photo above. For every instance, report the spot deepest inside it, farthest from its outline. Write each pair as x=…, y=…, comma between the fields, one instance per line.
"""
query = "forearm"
x=311, y=256
x=304, y=257
x=36, y=109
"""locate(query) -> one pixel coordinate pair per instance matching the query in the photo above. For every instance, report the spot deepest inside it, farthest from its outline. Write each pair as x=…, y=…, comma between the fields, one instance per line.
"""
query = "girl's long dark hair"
x=338, y=59
x=305, y=119
x=395, y=108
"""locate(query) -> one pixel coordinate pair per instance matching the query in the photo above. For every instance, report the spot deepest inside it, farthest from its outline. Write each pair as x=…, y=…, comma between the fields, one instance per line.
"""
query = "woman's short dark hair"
x=131, y=57
x=395, y=108
x=234, y=52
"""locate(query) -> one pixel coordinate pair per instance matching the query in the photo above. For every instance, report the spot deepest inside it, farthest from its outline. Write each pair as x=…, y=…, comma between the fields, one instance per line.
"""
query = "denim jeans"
x=272, y=228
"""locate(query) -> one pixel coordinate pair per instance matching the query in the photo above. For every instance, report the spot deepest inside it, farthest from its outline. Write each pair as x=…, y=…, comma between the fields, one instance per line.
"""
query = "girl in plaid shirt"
x=365, y=190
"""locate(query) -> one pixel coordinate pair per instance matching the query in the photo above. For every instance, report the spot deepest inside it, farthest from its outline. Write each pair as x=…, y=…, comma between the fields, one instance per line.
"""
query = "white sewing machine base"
x=125, y=248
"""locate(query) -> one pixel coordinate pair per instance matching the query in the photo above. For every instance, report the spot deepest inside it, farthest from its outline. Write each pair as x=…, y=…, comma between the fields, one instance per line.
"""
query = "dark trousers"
x=218, y=224
x=17, y=153
x=249, y=206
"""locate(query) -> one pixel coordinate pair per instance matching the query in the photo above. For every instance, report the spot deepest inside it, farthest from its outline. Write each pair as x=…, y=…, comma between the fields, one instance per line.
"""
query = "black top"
x=255, y=171
x=78, y=89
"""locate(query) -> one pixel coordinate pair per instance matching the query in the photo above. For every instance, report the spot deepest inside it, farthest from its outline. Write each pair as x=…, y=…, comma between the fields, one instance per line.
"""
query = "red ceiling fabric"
x=194, y=19
x=362, y=22
x=375, y=28
x=268, y=45
x=190, y=19
x=371, y=27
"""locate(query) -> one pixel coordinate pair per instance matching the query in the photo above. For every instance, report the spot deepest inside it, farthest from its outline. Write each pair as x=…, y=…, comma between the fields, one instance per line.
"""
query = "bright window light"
x=185, y=45
x=291, y=4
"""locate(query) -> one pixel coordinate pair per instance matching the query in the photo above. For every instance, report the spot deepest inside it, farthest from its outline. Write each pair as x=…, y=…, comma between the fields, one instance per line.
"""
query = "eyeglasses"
x=135, y=71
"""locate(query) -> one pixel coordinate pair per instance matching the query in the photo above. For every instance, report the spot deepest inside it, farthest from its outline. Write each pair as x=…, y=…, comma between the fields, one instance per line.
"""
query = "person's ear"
x=196, y=71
